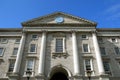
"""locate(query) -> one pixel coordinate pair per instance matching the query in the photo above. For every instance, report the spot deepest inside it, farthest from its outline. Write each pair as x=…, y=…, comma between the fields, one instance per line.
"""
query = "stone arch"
x=59, y=69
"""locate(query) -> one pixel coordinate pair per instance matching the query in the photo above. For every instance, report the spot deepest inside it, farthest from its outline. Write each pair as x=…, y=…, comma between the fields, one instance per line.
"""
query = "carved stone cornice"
x=55, y=24
x=59, y=54
x=59, y=34
x=53, y=15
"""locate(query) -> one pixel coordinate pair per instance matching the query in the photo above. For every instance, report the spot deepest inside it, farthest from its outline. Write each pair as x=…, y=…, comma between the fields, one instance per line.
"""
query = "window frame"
x=87, y=48
x=2, y=51
x=14, y=51
x=4, y=42
x=34, y=35
x=30, y=48
x=119, y=64
x=17, y=41
x=63, y=44
x=100, y=40
x=13, y=62
x=117, y=53
x=113, y=41
x=33, y=66
x=84, y=35
x=91, y=66
x=103, y=51
x=107, y=72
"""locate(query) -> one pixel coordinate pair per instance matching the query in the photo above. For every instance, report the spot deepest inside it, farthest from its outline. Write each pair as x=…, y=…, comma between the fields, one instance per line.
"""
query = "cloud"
x=113, y=12
x=113, y=9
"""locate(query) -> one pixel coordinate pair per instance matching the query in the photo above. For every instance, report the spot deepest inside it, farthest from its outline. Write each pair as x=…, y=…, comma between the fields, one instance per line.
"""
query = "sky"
x=105, y=12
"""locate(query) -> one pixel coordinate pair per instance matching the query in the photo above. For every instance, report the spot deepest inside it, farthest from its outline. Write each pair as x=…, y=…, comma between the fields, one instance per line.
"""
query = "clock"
x=59, y=19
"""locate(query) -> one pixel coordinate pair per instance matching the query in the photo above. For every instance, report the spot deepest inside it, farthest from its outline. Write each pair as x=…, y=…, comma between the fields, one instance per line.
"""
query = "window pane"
x=1, y=51
x=102, y=49
x=32, y=48
x=117, y=51
x=59, y=45
x=100, y=40
x=11, y=66
x=87, y=64
x=106, y=66
x=17, y=41
x=85, y=47
x=15, y=51
x=113, y=40
x=30, y=64
x=84, y=36
x=34, y=36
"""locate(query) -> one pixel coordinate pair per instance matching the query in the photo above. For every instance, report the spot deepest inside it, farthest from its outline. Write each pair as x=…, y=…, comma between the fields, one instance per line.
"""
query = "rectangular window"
x=84, y=37
x=59, y=45
x=11, y=66
x=119, y=64
x=107, y=67
x=30, y=64
x=17, y=41
x=1, y=51
x=100, y=40
x=117, y=50
x=33, y=48
x=85, y=48
x=34, y=36
x=4, y=40
x=102, y=49
x=88, y=65
x=15, y=50
x=113, y=39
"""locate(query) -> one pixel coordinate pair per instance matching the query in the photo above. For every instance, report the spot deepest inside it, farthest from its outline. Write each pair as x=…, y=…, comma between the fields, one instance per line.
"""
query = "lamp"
x=28, y=73
x=89, y=72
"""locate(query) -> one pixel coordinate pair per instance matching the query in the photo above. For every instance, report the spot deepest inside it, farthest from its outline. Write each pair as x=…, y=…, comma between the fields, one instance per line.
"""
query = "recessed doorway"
x=59, y=76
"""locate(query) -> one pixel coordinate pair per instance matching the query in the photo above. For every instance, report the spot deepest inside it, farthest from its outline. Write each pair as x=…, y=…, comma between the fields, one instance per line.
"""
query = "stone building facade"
x=59, y=46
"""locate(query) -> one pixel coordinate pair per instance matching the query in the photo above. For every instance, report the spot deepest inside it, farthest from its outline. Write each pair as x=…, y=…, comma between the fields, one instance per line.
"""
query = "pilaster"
x=75, y=54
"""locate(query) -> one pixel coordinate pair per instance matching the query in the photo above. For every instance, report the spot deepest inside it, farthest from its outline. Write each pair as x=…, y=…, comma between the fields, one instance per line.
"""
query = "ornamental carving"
x=59, y=54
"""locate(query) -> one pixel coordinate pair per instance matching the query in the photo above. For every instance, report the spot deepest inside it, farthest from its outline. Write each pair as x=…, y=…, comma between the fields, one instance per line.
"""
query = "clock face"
x=59, y=19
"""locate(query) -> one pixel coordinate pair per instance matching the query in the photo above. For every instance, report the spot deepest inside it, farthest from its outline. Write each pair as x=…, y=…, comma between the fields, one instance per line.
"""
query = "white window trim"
x=105, y=52
x=2, y=51
x=115, y=51
x=64, y=44
x=5, y=41
x=30, y=48
x=91, y=64
x=84, y=38
x=115, y=40
x=11, y=60
x=26, y=67
x=83, y=48
x=13, y=51
x=34, y=38
x=17, y=42
x=110, y=67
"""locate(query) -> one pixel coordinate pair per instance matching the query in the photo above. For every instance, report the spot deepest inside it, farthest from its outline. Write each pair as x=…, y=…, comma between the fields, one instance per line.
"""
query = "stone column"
x=19, y=54
x=98, y=54
x=42, y=55
x=75, y=55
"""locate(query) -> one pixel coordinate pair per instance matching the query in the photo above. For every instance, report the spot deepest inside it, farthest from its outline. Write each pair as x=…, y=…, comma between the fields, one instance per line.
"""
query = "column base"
x=13, y=76
x=104, y=77
x=40, y=77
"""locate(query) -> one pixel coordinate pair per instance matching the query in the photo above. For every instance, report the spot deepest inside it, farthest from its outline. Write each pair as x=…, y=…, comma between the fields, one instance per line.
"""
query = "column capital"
x=73, y=30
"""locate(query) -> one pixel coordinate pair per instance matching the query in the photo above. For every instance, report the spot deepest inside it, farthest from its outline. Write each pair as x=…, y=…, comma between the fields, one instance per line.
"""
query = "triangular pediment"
x=53, y=19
